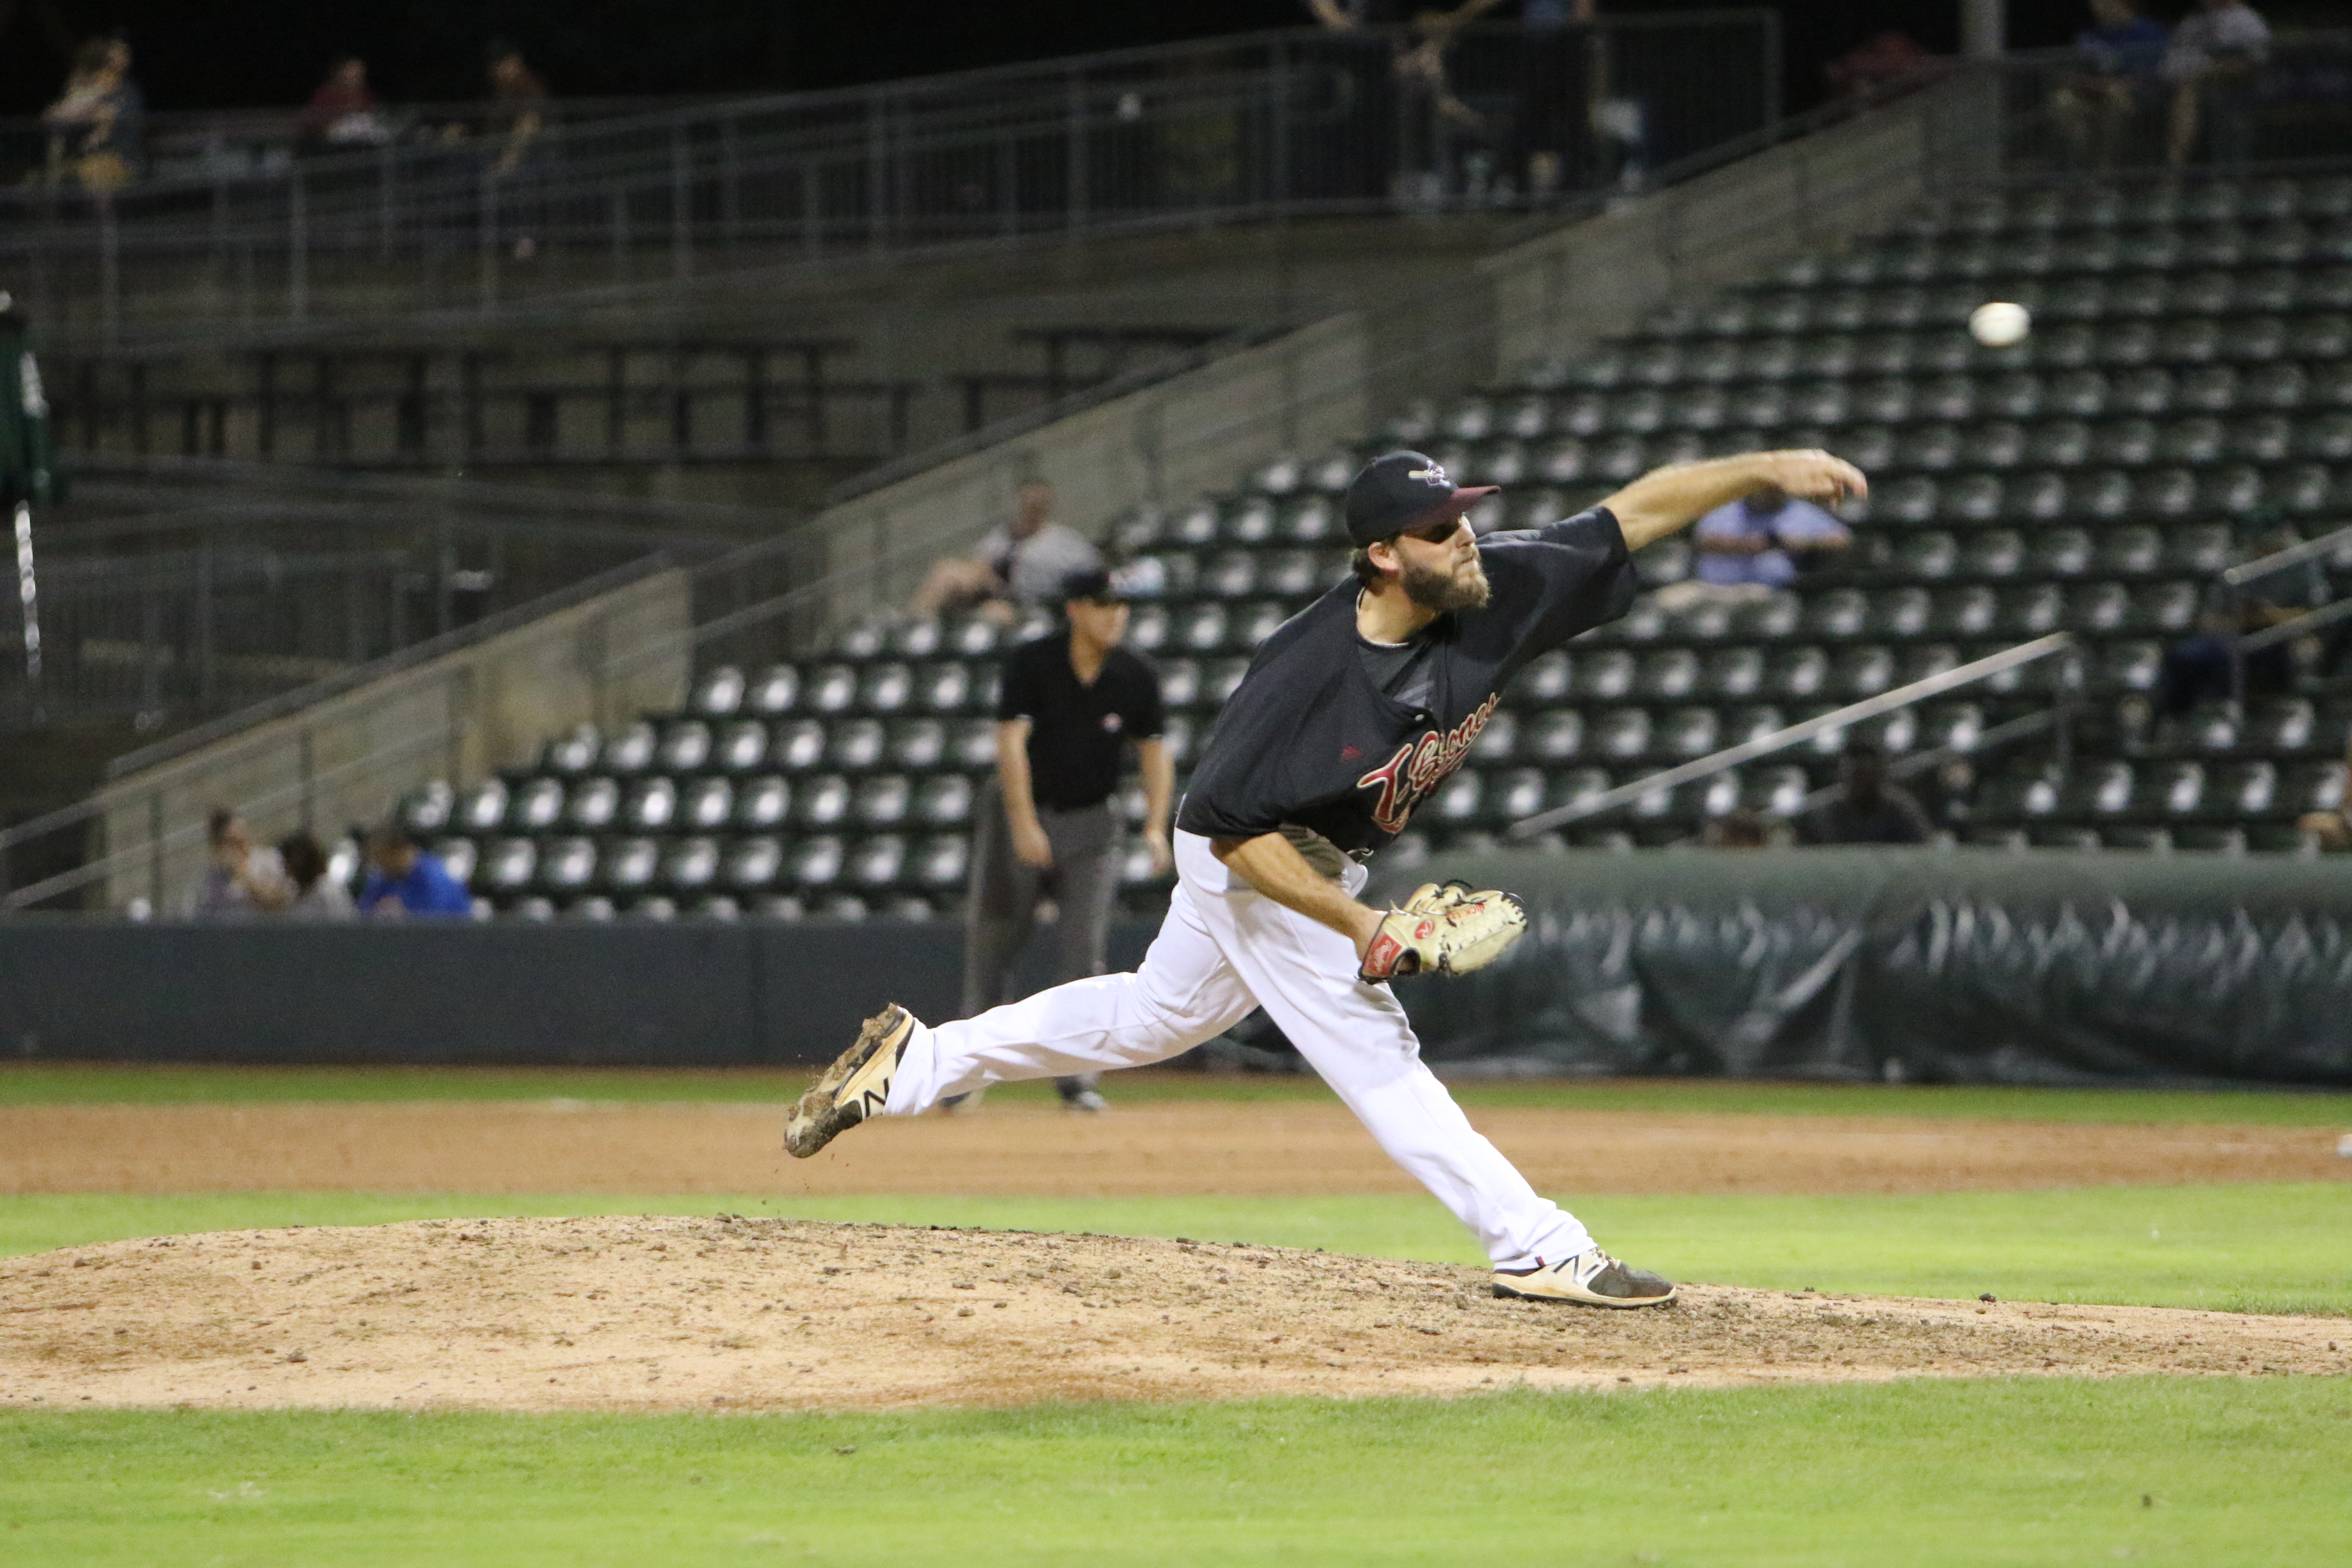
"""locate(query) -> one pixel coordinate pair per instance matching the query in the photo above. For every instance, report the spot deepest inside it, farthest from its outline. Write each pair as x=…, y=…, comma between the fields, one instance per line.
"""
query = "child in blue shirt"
x=403, y=879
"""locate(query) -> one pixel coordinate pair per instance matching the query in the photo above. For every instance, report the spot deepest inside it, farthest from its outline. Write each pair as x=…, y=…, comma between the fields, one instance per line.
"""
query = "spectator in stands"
x=1022, y=564
x=2118, y=62
x=1736, y=829
x=1887, y=57
x=2215, y=65
x=240, y=882
x=519, y=99
x=2198, y=669
x=316, y=896
x=1369, y=60
x=99, y=126
x=1949, y=796
x=1072, y=701
x=1866, y=809
x=403, y=879
x=2332, y=830
x=345, y=111
x=1748, y=550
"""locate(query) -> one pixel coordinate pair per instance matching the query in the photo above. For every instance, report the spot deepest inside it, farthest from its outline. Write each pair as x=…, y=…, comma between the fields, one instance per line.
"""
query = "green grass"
x=44, y=1084
x=2193, y=1472
x=2278, y=1247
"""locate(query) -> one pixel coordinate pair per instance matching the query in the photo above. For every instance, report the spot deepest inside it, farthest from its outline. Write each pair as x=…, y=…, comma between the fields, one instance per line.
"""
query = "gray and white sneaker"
x=856, y=1086
x=1592, y=1278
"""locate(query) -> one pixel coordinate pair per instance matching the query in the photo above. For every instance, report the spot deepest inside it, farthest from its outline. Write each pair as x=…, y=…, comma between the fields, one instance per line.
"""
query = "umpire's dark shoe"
x=854, y=1087
x=1592, y=1278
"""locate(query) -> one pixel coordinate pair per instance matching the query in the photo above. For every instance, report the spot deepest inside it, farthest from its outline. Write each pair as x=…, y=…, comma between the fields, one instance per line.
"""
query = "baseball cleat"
x=1086, y=1099
x=1591, y=1278
x=856, y=1086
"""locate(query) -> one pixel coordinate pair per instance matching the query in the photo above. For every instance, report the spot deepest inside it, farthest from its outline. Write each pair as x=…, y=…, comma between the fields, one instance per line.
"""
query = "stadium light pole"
x=1984, y=29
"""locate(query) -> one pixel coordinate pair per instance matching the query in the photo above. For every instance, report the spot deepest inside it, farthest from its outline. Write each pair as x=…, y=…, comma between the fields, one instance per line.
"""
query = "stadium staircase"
x=2184, y=405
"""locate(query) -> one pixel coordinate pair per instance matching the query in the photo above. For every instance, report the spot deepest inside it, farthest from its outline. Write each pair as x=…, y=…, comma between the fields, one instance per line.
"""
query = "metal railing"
x=426, y=407
x=1781, y=740
x=1292, y=121
x=162, y=603
x=199, y=146
x=2087, y=115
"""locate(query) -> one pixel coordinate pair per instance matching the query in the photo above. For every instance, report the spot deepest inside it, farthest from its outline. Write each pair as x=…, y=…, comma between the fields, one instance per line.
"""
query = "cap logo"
x=1434, y=474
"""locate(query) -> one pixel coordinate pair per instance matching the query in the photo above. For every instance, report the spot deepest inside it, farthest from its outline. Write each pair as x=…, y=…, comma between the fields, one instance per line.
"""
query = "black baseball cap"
x=1402, y=491
x=1095, y=584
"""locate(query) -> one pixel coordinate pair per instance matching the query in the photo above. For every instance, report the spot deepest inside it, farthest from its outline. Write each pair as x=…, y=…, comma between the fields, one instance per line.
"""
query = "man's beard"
x=1445, y=591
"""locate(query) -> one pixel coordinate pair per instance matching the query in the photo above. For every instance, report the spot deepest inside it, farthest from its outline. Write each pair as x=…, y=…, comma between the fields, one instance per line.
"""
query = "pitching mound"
x=730, y=1313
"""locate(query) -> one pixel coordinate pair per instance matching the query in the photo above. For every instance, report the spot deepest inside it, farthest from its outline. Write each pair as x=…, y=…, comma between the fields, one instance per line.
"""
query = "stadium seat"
x=764, y=803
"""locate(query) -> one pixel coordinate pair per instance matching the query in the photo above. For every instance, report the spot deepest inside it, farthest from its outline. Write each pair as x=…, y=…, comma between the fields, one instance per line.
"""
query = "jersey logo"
x=1350, y=752
x=1420, y=765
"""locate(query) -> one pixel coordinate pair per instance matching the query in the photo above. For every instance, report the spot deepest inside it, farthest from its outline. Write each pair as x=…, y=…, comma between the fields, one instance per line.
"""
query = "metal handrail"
x=1920, y=761
x=2238, y=576
x=1780, y=739
x=886, y=157
x=83, y=875
x=2301, y=626
x=988, y=85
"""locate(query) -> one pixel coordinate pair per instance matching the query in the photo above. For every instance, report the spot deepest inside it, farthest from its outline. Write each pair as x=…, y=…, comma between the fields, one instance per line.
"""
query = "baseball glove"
x=1445, y=928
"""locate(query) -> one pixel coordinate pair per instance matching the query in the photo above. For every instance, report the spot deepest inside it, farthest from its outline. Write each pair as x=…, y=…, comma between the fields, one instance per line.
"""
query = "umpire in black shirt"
x=1072, y=700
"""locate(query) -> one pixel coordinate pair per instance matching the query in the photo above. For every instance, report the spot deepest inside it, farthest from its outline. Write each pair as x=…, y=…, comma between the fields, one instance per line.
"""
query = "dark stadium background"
x=258, y=52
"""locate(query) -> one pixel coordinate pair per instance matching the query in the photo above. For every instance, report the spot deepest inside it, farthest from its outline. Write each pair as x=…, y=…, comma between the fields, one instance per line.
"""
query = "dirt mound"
x=731, y=1313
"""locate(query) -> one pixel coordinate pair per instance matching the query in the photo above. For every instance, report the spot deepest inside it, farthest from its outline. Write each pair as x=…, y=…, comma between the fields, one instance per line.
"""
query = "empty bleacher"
x=2184, y=403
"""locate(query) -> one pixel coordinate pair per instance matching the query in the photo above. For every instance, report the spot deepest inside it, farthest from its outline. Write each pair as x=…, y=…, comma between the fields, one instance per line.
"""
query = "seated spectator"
x=403, y=879
x=2215, y=65
x=1740, y=829
x=1887, y=57
x=316, y=895
x=2196, y=669
x=2331, y=830
x=1866, y=809
x=1746, y=550
x=1949, y=795
x=241, y=881
x=1020, y=564
x=344, y=111
x=2118, y=63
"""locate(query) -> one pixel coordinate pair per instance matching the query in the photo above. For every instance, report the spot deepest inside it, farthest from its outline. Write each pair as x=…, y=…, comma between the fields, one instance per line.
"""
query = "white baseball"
x=1999, y=324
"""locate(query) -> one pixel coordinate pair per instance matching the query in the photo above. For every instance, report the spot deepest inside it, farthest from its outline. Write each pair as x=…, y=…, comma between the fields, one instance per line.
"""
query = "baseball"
x=1999, y=324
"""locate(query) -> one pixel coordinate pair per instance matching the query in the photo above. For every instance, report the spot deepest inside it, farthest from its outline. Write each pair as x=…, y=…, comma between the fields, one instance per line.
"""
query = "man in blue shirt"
x=1746, y=549
x=2114, y=81
x=403, y=880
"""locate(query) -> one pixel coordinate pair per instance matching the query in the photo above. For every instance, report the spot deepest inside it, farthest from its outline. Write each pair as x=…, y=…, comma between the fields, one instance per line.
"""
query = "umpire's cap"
x=1095, y=585
x=1404, y=491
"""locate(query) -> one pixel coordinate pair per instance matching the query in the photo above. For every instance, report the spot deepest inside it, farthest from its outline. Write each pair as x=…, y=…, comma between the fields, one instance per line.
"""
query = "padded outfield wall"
x=1968, y=966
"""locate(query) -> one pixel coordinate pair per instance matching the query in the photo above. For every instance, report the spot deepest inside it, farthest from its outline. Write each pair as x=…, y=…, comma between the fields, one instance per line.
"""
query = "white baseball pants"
x=1225, y=949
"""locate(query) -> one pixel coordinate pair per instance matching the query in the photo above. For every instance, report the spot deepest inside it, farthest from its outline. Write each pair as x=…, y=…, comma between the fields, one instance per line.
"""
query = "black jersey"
x=1309, y=739
x=1078, y=732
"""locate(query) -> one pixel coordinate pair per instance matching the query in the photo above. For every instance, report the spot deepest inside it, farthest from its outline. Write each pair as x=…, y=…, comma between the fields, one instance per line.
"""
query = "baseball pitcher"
x=1352, y=714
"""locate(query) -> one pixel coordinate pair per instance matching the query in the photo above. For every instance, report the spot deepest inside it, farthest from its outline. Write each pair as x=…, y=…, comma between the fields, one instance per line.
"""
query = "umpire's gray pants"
x=1083, y=882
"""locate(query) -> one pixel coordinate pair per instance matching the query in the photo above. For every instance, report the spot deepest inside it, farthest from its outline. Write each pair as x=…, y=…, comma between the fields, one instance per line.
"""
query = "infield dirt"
x=1164, y=1148
x=730, y=1313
